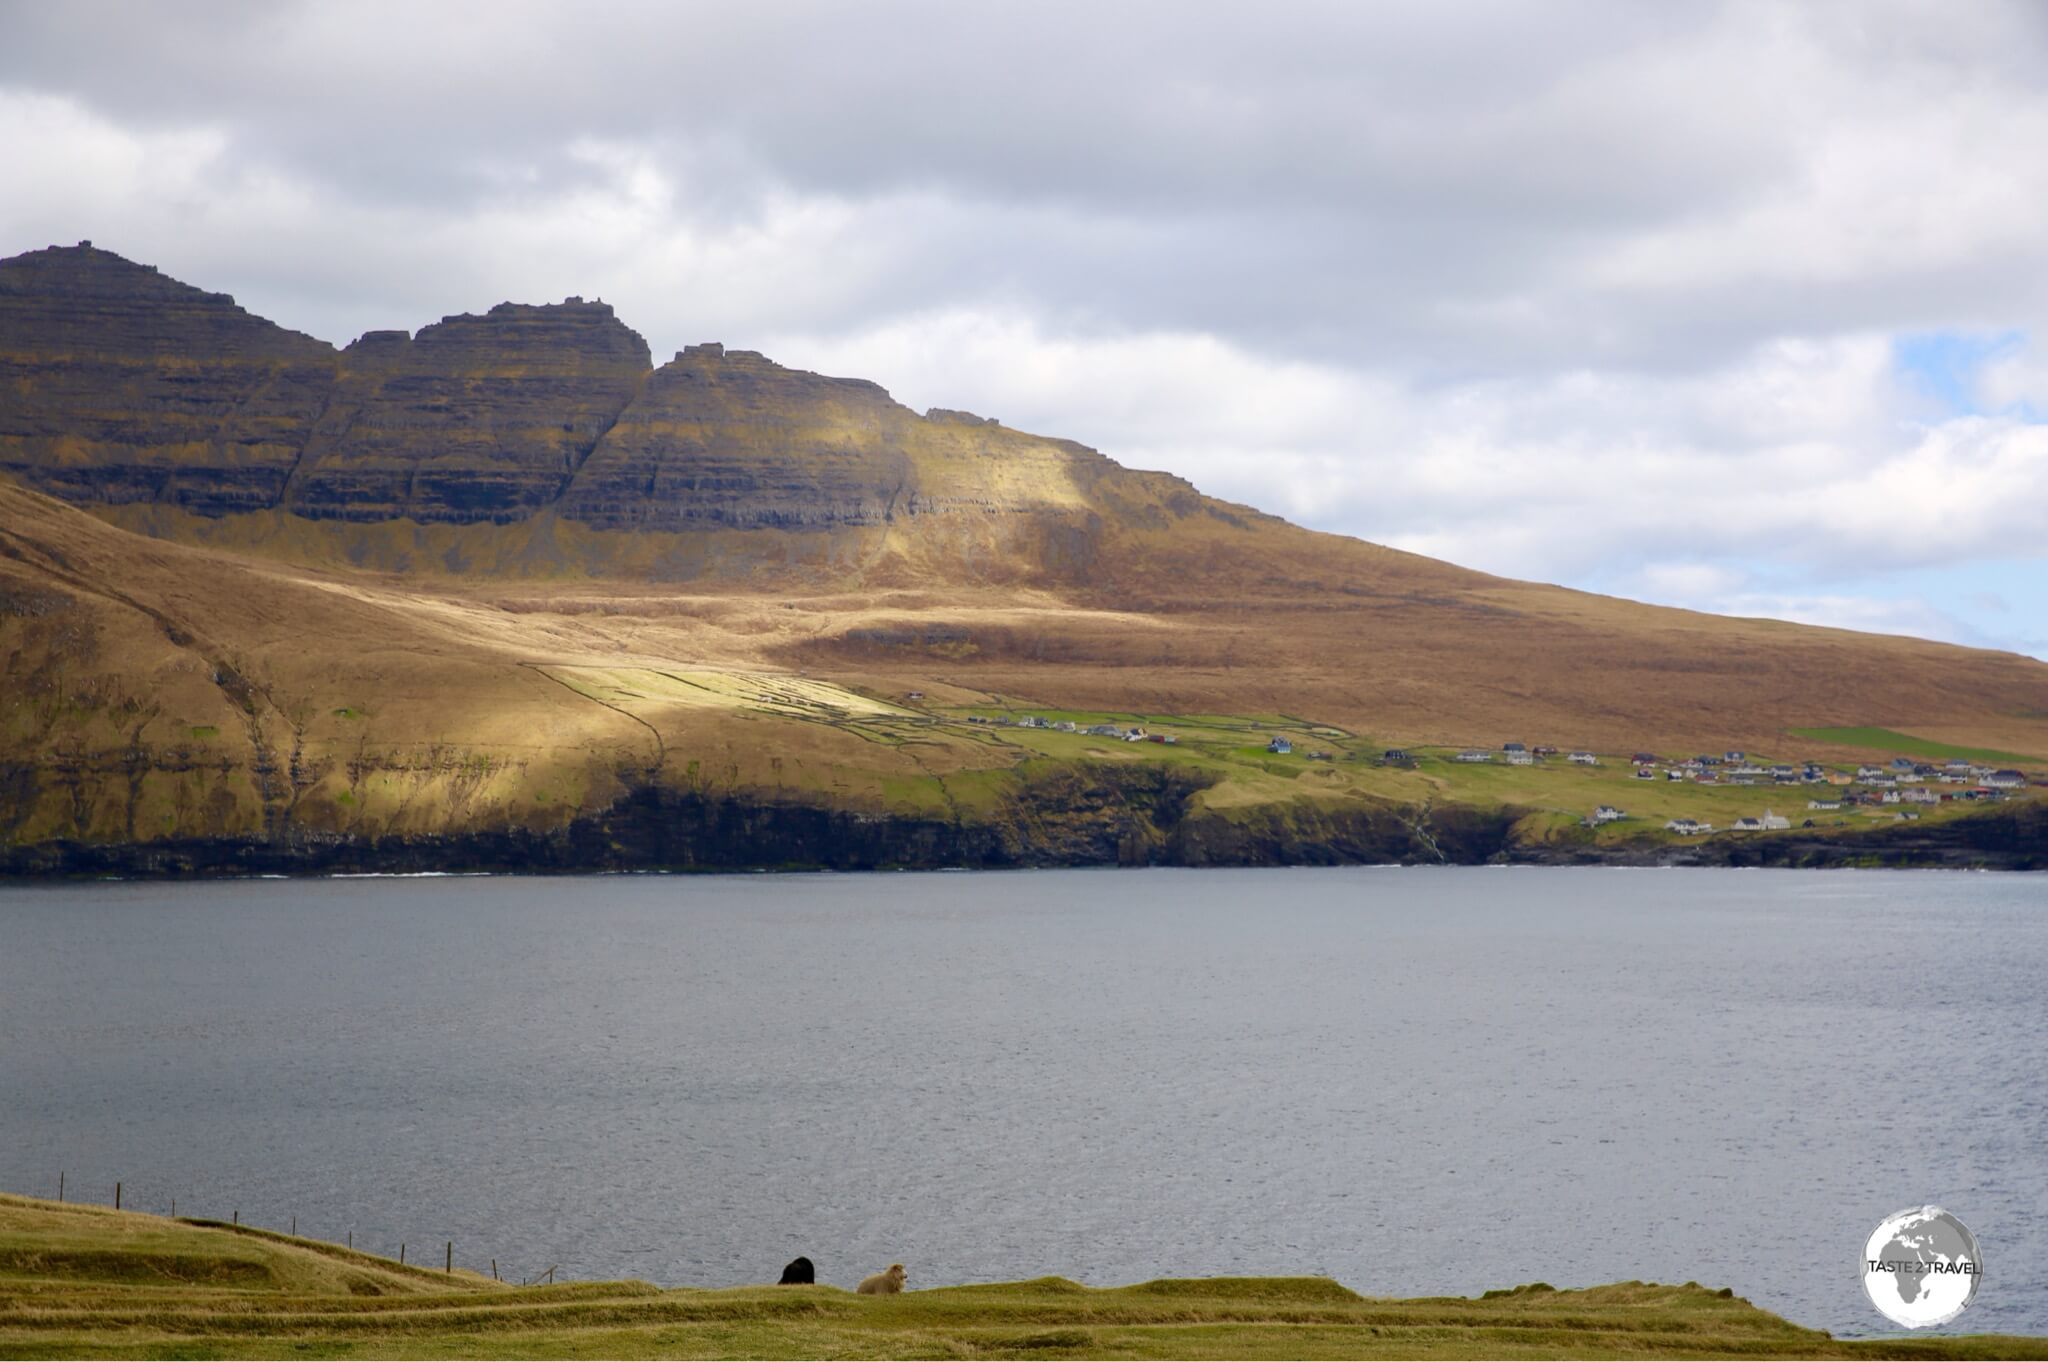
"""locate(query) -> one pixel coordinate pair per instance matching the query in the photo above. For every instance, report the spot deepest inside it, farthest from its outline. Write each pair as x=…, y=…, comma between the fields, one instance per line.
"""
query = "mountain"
x=503, y=590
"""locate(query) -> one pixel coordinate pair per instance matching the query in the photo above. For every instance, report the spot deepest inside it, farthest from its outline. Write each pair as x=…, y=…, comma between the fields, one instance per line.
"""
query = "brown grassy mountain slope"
x=502, y=576
x=159, y=692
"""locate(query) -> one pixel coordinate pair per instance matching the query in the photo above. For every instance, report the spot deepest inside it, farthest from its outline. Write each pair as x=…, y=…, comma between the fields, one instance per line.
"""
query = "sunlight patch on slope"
x=768, y=693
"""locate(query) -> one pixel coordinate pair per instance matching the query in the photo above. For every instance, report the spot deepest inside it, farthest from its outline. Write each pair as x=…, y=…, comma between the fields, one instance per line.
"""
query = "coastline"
x=655, y=829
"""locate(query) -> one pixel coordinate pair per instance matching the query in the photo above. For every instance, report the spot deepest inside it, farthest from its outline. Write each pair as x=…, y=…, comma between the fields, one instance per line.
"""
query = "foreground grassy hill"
x=78, y=1281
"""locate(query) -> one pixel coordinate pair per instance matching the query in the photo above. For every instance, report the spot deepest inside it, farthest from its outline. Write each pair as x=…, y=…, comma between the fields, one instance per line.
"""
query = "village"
x=1902, y=781
x=1901, y=787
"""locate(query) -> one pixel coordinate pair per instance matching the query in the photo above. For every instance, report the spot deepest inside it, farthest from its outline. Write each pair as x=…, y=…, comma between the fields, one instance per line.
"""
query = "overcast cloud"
x=1736, y=307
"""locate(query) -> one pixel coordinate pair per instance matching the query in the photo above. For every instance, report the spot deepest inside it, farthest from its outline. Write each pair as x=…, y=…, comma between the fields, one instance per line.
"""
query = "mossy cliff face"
x=1121, y=817
x=1086, y=815
x=1128, y=816
x=2013, y=837
x=1311, y=832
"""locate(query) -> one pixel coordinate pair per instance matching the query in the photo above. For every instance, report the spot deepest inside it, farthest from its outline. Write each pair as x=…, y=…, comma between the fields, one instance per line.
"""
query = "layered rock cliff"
x=154, y=400
x=722, y=440
x=474, y=419
x=124, y=386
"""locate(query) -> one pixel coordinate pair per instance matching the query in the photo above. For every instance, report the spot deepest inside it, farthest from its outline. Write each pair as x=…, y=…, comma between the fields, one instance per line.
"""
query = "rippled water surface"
x=1416, y=1081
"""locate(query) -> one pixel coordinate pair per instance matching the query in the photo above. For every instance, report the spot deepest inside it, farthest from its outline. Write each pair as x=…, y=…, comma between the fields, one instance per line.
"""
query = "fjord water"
x=1415, y=1081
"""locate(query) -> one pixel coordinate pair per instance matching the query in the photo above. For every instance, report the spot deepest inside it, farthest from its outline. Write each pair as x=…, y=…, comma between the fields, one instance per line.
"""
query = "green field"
x=1906, y=745
x=81, y=1281
x=1555, y=794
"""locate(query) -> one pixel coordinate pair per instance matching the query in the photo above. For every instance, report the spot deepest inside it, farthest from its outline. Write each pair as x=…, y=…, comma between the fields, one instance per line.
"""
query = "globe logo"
x=1921, y=1267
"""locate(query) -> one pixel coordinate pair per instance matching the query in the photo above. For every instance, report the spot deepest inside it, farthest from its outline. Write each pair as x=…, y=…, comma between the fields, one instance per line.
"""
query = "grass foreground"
x=85, y=1281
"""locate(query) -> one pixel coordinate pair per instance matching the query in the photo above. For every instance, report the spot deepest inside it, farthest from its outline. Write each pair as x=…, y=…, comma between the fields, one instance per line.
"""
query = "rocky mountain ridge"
x=131, y=390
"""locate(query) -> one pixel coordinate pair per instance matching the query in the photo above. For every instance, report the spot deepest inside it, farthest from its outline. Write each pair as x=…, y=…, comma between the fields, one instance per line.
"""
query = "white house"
x=1774, y=822
x=1606, y=813
x=2006, y=780
x=1686, y=827
x=1280, y=745
x=1520, y=758
x=1824, y=804
x=1473, y=754
x=1583, y=759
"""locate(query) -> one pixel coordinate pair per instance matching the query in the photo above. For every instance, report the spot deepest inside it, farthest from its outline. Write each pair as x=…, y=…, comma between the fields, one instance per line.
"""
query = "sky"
x=1735, y=307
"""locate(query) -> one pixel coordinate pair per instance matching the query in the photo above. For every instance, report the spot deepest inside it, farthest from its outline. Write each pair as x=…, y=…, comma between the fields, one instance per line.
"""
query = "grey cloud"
x=1435, y=209
x=1419, y=186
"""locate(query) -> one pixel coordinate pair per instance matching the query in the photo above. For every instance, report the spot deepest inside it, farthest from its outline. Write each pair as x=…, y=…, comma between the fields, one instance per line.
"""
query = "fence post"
x=449, y=1266
x=494, y=1271
x=351, y=1241
x=174, y=1208
x=238, y=1217
x=60, y=1184
x=295, y=1227
x=401, y=1255
x=117, y=1196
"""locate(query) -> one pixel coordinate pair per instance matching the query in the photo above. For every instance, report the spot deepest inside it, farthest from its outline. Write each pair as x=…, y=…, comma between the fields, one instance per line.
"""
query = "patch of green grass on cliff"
x=91, y=1282
x=1906, y=745
x=1272, y=763
x=917, y=796
x=205, y=730
x=982, y=792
